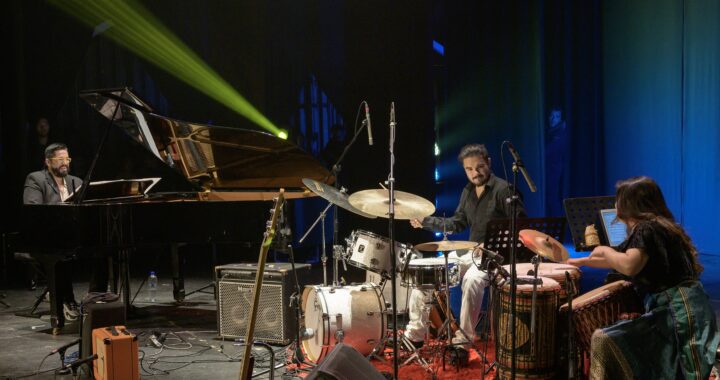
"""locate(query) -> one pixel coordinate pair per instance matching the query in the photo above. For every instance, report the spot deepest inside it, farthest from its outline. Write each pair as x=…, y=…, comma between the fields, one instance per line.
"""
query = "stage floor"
x=193, y=350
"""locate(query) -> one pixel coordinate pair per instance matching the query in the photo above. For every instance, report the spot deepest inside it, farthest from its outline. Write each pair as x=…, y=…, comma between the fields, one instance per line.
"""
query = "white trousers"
x=474, y=282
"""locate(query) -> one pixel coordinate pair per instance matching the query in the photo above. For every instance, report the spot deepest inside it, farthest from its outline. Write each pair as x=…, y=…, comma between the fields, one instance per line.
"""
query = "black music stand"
x=497, y=234
x=582, y=212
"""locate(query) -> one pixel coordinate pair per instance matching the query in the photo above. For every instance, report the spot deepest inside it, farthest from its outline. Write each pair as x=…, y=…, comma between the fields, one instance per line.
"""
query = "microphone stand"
x=513, y=272
x=517, y=166
x=335, y=172
x=391, y=228
x=570, y=290
x=295, y=299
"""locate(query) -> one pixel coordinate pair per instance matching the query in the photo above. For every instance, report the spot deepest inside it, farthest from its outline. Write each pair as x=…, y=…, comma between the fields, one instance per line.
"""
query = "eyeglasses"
x=61, y=159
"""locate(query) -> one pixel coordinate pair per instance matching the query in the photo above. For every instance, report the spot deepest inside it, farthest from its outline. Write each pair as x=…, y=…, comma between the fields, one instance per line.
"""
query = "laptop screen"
x=615, y=230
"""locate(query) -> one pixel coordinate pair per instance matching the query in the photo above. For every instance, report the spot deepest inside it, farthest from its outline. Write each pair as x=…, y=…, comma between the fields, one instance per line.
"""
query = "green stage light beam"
x=135, y=28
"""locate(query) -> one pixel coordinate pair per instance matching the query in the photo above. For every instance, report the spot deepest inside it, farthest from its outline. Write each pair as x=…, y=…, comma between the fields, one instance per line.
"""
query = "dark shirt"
x=474, y=213
x=668, y=264
x=40, y=188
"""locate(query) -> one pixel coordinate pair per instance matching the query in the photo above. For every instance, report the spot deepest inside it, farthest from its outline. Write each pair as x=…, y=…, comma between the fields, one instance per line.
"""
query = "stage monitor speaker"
x=345, y=363
x=275, y=321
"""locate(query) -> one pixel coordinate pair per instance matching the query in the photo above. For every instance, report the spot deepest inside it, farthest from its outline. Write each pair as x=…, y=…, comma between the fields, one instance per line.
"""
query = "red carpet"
x=433, y=354
x=474, y=370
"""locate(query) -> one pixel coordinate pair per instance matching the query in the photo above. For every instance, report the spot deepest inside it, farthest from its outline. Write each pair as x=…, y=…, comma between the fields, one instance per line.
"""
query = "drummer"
x=482, y=199
x=677, y=336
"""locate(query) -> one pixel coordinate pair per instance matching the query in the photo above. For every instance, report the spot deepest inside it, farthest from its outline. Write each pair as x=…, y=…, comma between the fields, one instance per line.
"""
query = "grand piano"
x=223, y=169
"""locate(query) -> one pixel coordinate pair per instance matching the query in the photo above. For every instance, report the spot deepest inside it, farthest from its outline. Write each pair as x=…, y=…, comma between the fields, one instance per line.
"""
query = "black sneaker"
x=459, y=357
x=418, y=345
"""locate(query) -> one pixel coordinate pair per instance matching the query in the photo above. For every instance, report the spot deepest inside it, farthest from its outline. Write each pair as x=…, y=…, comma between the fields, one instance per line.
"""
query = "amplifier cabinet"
x=275, y=322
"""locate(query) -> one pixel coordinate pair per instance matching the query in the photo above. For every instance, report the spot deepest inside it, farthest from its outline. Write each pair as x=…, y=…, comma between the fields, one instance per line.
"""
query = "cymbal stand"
x=391, y=228
x=323, y=258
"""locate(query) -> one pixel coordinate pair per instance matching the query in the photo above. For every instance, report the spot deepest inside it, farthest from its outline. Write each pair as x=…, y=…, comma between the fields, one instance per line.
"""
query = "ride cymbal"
x=544, y=245
x=333, y=196
x=407, y=206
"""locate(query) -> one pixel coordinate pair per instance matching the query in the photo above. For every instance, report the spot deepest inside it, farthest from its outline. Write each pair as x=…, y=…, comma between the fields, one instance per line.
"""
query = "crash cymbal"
x=544, y=245
x=333, y=195
x=445, y=245
x=407, y=206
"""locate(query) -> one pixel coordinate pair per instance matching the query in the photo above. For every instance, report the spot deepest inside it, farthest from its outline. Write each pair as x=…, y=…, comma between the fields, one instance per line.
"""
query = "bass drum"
x=361, y=309
x=402, y=292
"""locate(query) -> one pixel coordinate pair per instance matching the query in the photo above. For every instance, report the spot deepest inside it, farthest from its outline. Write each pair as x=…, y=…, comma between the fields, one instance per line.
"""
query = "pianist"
x=54, y=185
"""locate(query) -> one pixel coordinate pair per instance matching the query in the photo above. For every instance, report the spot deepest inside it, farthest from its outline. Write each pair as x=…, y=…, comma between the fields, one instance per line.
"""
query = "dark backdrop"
x=637, y=82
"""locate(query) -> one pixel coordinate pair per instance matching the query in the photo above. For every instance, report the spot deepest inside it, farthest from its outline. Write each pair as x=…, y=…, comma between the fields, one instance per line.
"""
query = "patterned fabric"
x=675, y=339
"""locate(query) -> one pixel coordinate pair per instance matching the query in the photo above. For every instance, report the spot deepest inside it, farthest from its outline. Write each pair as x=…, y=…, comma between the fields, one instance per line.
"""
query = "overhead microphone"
x=521, y=166
x=367, y=120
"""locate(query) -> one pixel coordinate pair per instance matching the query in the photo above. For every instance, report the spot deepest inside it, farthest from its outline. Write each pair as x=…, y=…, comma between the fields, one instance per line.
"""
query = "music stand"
x=497, y=234
x=582, y=212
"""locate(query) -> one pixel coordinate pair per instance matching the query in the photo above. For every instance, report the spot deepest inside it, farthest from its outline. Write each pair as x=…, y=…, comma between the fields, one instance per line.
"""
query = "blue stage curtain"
x=661, y=97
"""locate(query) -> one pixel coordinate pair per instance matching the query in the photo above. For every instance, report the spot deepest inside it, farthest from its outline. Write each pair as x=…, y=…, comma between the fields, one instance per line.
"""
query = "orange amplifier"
x=117, y=354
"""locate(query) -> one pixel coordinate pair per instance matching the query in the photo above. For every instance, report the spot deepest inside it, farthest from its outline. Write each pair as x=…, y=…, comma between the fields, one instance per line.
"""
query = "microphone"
x=367, y=119
x=492, y=255
x=65, y=347
x=79, y=362
x=521, y=166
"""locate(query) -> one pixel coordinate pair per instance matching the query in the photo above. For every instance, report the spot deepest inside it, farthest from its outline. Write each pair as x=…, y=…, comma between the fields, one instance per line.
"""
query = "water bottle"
x=152, y=286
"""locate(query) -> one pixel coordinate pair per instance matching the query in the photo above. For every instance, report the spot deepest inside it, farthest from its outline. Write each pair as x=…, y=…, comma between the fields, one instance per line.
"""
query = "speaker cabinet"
x=275, y=322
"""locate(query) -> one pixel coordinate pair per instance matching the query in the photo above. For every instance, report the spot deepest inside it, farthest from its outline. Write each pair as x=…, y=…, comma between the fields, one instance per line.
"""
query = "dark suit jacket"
x=40, y=188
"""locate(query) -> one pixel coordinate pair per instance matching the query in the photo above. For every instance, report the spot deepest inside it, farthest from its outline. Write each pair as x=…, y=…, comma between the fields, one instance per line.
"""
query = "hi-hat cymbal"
x=544, y=245
x=407, y=206
x=333, y=195
x=445, y=245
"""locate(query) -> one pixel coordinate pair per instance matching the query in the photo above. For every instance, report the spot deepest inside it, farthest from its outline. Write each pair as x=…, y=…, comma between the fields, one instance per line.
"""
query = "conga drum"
x=600, y=308
x=535, y=355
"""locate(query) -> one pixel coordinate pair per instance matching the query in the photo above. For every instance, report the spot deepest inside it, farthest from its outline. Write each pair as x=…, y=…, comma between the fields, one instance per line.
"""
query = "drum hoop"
x=371, y=234
x=326, y=311
x=597, y=299
x=354, y=234
x=360, y=265
x=451, y=262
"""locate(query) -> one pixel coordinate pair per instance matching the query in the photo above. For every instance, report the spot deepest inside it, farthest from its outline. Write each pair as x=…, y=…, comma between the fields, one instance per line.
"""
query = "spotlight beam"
x=135, y=28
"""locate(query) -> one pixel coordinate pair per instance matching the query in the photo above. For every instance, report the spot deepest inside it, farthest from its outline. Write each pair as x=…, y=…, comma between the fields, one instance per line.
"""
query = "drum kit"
x=357, y=314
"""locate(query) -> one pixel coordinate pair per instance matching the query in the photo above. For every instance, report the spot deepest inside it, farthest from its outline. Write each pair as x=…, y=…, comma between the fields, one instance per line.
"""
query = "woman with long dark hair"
x=677, y=336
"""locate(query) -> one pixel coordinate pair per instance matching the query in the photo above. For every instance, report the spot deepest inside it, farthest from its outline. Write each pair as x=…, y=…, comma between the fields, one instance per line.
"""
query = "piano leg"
x=124, y=276
x=178, y=277
x=57, y=318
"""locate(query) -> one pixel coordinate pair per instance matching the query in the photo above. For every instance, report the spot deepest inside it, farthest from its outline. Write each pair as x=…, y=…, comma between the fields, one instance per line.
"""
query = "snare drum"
x=535, y=358
x=554, y=271
x=429, y=272
x=600, y=308
x=371, y=252
x=361, y=310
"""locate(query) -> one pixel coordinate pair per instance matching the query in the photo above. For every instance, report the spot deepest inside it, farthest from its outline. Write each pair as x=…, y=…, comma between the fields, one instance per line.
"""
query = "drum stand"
x=450, y=318
x=323, y=257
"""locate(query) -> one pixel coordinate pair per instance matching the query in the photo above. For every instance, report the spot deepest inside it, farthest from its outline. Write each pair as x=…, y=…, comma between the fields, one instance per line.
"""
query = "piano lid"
x=219, y=159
